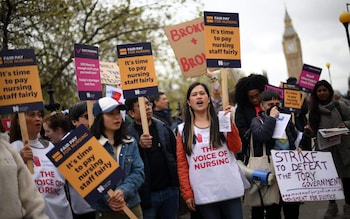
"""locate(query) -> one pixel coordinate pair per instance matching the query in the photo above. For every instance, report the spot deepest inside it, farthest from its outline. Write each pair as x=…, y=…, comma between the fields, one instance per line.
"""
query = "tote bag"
x=261, y=195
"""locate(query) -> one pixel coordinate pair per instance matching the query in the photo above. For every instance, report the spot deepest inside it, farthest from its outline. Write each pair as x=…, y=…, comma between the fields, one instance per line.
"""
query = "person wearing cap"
x=160, y=192
x=111, y=131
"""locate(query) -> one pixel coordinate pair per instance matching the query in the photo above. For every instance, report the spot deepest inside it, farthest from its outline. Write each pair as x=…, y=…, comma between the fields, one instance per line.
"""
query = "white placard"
x=306, y=176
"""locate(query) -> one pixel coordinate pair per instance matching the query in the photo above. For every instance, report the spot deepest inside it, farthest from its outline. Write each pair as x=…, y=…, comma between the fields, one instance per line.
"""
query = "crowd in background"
x=162, y=180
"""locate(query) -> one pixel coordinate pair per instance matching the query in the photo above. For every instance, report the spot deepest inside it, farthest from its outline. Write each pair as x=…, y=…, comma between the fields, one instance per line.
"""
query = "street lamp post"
x=344, y=18
x=328, y=65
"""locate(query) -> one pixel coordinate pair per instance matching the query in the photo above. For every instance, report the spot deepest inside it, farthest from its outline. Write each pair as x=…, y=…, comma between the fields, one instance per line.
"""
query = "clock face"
x=291, y=47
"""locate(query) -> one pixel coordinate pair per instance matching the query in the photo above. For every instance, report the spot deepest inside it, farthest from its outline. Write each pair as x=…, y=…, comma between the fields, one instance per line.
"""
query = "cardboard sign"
x=138, y=77
x=222, y=40
x=20, y=89
x=87, y=68
x=110, y=73
x=309, y=77
x=86, y=164
x=187, y=41
x=306, y=176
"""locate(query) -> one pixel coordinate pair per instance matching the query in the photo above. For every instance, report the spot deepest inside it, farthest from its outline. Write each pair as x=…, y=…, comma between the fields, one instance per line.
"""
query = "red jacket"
x=234, y=144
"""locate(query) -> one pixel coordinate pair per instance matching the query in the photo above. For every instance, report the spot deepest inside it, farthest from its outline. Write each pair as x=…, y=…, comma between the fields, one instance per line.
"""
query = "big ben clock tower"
x=292, y=48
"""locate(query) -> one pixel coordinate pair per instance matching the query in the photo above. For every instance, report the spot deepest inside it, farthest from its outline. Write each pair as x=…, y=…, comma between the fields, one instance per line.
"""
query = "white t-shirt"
x=48, y=180
x=213, y=172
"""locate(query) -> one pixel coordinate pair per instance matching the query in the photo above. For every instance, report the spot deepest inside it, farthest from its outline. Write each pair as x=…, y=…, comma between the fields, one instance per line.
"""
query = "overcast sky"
x=322, y=36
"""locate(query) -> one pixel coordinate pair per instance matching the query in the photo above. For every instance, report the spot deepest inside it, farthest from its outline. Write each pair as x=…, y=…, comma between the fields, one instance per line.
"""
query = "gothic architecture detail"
x=292, y=48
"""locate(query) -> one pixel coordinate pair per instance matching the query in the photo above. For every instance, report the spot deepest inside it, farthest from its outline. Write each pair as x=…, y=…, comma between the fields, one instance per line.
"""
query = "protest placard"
x=137, y=73
x=87, y=69
x=20, y=83
x=222, y=40
x=187, y=42
x=110, y=73
x=292, y=98
x=306, y=176
x=309, y=77
x=21, y=90
x=87, y=165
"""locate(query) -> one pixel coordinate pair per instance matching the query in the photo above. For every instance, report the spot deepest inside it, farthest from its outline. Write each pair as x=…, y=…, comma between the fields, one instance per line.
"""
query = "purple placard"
x=309, y=77
x=87, y=68
x=278, y=89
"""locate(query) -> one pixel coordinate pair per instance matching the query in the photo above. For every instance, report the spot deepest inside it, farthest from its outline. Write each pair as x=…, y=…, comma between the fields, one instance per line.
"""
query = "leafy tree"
x=52, y=27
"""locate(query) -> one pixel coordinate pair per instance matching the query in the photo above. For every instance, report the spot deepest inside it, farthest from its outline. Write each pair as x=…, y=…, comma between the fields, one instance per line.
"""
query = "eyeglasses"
x=86, y=116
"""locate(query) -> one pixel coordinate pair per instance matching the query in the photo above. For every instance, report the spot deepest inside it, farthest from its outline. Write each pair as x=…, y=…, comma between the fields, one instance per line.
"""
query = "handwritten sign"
x=309, y=77
x=222, y=40
x=137, y=70
x=20, y=83
x=87, y=68
x=110, y=73
x=187, y=41
x=306, y=176
x=86, y=164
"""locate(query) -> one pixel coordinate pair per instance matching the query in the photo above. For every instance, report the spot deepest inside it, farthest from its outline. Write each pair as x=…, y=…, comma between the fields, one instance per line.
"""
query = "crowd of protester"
x=163, y=178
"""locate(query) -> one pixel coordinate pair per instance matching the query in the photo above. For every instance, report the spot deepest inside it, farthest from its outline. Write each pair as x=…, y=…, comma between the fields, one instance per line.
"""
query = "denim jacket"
x=132, y=164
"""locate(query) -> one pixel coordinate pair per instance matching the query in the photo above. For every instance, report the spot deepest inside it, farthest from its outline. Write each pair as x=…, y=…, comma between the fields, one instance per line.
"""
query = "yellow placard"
x=222, y=42
x=137, y=72
x=87, y=167
x=292, y=98
x=20, y=85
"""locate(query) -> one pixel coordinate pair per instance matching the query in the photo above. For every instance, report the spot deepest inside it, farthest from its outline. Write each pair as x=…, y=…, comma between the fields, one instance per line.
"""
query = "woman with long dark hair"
x=111, y=131
x=208, y=172
x=328, y=113
x=49, y=181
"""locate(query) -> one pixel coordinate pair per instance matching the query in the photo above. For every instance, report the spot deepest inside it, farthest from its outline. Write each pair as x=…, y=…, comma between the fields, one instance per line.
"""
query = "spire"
x=288, y=26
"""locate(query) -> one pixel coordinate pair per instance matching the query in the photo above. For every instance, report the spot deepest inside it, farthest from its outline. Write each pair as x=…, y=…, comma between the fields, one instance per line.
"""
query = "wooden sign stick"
x=224, y=89
x=126, y=210
x=89, y=105
x=25, y=137
x=144, y=121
